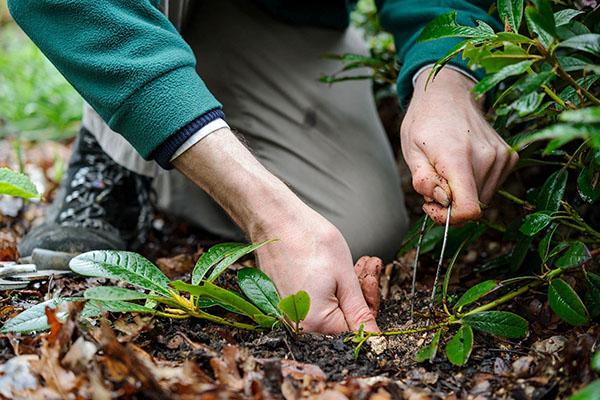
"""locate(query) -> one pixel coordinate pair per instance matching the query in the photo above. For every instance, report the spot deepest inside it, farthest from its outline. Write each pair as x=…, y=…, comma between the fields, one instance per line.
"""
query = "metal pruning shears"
x=440, y=261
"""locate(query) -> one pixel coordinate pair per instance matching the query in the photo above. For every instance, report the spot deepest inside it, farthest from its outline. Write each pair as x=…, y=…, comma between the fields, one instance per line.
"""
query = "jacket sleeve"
x=405, y=19
x=126, y=60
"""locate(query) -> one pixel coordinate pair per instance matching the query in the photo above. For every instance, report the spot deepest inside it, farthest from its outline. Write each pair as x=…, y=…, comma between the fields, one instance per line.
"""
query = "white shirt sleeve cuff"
x=201, y=134
x=449, y=66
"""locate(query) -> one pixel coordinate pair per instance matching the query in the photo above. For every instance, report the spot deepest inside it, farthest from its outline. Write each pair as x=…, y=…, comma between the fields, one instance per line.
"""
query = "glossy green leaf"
x=528, y=104
x=120, y=306
x=214, y=292
x=34, y=319
x=546, y=242
x=232, y=257
x=565, y=16
x=511, y=13
x=460, y=346
x=588, y=184
x=535, y=28
x=446, y=26
x=16, y=184
x=498, y=323
x=589, y=43
x=552, y=191
x=577, y=253
x=564, y=132
x=490, y=81
x=295, y=306
x=122, y=265
x=261, y=291
x=534, y=223
x=592, y=294
x=543, y=16
x=211, y=257
x=571, y=95
x=590, y=392
x=519, y=252
x=429, y=351
x=589, y=115
x=475, y=293
x=113, y=293
x=566, y=303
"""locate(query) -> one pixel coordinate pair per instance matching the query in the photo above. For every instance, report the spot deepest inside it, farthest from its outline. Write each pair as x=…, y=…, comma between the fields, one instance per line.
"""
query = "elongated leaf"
x=552, y=191
x=113, y=293
x=34, y=318
x=589, y=43
x=565, y=16
x=16, y=184
x=544, y=245
x=490, y=81
x=209, y=259
x=429, y=352
x=577, y=253
x=588, y=184
x=498, y=323
x=533, y=24
x=543, y=16
x=475, y=293
x=446, y=26
x=122, y=265
x=511, y=13
x=590, y=392
x=534, y=223
x=592, y=297
x=261, y=291
x=295, y=306
x=564, y=132
x=120, y=306
x=566, y=303
x=221, y=296
x=460, y=346
x=589, y=115
x=232, y=257
x=528, y=104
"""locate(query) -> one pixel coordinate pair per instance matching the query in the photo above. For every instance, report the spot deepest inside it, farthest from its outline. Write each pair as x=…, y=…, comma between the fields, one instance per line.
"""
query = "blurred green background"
x=36, y=102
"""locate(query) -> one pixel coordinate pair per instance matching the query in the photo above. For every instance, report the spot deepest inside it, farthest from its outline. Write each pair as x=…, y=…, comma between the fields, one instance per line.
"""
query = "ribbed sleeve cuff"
x=165, y=151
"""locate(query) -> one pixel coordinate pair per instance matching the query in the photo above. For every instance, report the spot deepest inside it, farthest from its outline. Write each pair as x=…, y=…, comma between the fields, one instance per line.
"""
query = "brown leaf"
x=176, y=266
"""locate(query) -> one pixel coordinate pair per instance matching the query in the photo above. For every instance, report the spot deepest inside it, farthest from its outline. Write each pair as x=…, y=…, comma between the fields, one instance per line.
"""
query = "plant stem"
x=564, y=75
x=222, y=321
x=515, y=199
x=507, y=297
x=555, y=97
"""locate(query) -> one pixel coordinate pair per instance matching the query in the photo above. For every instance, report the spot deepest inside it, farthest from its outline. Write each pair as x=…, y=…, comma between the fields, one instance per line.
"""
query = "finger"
x=425, y=180
x=368, y=270
x=465, y=197
x=353, y=305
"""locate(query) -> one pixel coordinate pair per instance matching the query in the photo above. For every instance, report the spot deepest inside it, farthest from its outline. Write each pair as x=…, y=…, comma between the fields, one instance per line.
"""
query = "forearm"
x=223, y=167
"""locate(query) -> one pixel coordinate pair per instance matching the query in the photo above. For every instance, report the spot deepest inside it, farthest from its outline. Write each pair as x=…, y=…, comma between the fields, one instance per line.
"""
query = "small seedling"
x=258, y=305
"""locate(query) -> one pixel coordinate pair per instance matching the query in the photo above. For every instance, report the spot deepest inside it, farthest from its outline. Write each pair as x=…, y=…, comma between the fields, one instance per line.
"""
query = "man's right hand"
x=311, y=253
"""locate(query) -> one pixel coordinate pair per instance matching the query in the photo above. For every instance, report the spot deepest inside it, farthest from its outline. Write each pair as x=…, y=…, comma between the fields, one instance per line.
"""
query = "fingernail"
x=441, y=196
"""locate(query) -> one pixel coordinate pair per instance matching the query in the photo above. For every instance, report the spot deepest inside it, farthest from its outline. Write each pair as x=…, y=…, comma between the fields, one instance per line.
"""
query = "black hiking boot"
x=99, y=205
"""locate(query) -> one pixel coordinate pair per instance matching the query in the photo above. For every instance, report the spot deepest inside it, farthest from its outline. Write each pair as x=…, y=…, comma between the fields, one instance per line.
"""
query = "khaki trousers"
x=325, y=142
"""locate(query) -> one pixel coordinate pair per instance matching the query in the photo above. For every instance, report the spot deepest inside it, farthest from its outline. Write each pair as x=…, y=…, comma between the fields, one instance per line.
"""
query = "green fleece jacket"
x=131, y=65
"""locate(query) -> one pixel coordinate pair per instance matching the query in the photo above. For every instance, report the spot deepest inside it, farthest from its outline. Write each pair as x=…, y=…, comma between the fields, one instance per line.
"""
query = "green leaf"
x=570, y=94
x=543, y=16
x=592, y=295
x=498, y=323
x=552, y=191
x=511, y=13
x=534, y=223
x=232, y=257
x=519, y=252
x=588, y=184
x=544, y=245
x=433, y=235
x=259, y=288
x=459, y=347
x=475, y=293
x=565, y=16
x=528, y=104
x=596, y=361
x=120, y=306
x=113, y=293
x=589, y=115
x=490, y=81
x=563, y=132
x=590, y=392
x=16, y=184
x=295, y=306
x=220, y=295
x=122, y=265
x=577, y=253
x=446, y=26
x=589, y=43
x=566, y=303
x=533, y=24
x=211, y=257
x=34, y=319
x=429, y=352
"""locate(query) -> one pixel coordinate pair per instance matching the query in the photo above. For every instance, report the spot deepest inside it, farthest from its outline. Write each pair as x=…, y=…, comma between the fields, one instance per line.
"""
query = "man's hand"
x=451, y=149
x=311, y=253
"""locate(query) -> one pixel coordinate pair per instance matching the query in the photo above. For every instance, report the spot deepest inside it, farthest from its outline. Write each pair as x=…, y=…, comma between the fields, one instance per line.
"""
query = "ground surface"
x=140, y=357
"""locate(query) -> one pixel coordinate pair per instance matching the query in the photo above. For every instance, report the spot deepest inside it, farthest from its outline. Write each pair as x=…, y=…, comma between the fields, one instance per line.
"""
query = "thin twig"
x=415, y=265
x=441, y=260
